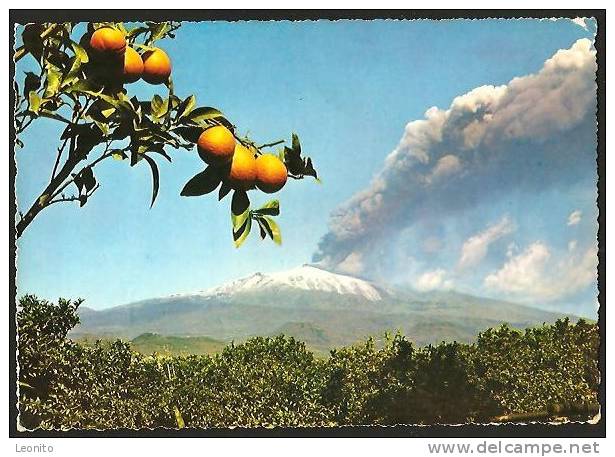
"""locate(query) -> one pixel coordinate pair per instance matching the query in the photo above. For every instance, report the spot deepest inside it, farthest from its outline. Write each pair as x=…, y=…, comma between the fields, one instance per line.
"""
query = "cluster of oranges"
x=240, y=166
x=122, y=64
x=217, y=147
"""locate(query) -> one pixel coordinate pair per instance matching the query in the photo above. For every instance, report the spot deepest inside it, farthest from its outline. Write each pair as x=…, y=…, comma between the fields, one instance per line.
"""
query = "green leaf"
x=32, y=82
x=240, y=210
x=240, y=202
x=186, y=107
x=121, y=131
x=159, y=30
x=52, y=82
x=85, y=179
x=88, y=136
x=135, y=157
x=51, y=115
x=159, y=106
x=293, y=161
x=297, y=165
x=239, y=220
x=107, y=112
x=273, y=230
x=118, y=154
x=239, y=236
x=296, y=144
x=156, y=103
x=201, y=114
x=34, y=101
x=136, y=31
x=73, y=73
x=142, y=148
x=308, y=169
x=271, y=208
x=32, y=40
x=121, y=28
x=104, y=128
x=261, y=226
x=87, y=86
x=225, y=189
x=155, y=177
x=159, y=149
x=80, y=52
x=202, y=183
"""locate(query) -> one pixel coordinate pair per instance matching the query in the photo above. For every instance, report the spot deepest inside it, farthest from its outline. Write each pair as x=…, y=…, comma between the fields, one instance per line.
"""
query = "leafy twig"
x=106, y=154
x=74, y=198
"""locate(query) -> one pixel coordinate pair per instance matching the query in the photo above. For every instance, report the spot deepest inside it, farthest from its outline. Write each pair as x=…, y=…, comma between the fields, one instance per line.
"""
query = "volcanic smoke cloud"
x=530, y=135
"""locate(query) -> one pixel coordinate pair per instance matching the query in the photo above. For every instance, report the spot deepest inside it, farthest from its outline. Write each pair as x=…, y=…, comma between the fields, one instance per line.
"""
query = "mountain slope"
x=322, y=308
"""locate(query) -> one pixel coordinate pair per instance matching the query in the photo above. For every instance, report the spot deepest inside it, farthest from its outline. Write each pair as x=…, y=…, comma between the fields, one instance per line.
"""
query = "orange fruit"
x=156, y=66
x=133, y=66
x=242, y=173
x=108, y=42
x=216, y=145
x=271, y=173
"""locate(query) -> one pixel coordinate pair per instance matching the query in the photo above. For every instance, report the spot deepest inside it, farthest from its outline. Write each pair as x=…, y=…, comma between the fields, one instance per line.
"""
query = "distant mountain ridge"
x=324, y=309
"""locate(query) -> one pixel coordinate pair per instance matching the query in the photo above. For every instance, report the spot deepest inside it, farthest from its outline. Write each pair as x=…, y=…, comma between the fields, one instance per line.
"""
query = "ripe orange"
x=156, y=66
x=216, y=145
x=108, y=42
x=271, y=173
x=133, y=66
x=242, y=173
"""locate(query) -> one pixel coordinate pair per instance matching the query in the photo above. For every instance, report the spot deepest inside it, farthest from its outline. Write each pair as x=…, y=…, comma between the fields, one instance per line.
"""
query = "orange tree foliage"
x=278, y=382
x=82, y=83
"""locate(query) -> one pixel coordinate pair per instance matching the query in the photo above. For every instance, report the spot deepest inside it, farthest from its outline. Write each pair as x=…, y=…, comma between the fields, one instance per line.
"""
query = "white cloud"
x=433, y=280
x=575, y=217
x=521, y=273
x=580, y=21
x=475, y=248
x=518, y=137
x=535, y=274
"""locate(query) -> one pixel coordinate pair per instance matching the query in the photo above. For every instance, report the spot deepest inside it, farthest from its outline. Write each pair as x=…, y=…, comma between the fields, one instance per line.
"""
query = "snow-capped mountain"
x=322, y=308
x=306, y=277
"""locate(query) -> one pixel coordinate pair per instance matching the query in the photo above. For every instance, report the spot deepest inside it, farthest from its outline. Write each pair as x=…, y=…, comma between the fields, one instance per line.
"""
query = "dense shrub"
x=278, y=382
x=263, y=382
x=401, y=384
x=41, y=344
x=529, y=370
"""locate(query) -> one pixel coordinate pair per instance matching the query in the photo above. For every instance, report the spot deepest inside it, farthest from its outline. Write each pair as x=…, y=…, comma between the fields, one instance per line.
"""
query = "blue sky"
x=349, y=89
